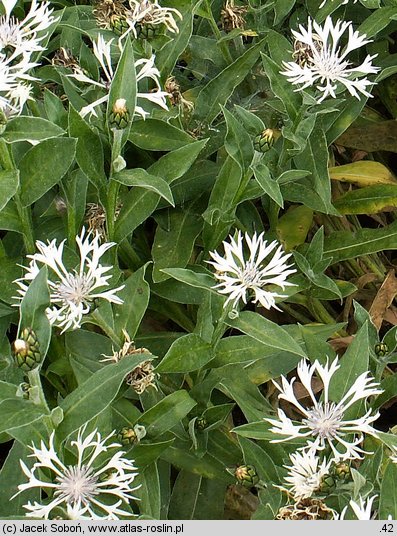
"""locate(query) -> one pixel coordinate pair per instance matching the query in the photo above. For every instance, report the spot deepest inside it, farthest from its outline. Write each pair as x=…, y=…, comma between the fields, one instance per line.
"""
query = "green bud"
x=201, y=423
x=148, y=30
x=119, y=116
x=381, y=349
x=265, y=140
x=27, y=353
x=342, y=470
x=118, y=24
x=23, y=390
x=131, y=436
x=327, y=484
x=246, y=475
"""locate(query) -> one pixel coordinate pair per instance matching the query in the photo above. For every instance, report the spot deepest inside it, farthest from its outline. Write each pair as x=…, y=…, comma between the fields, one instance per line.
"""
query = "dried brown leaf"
x=383, y=299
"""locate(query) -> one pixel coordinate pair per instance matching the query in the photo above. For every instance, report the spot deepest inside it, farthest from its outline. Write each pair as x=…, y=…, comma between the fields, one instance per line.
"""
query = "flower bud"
x=265, y=140
x=147, y=30
x=131, y=436
x=327, y=484
x=246, y=475
x=27, y=353
x=119, y=116
x=381, y=349
x=118, y=24
x=342, y=470
x=201, y=423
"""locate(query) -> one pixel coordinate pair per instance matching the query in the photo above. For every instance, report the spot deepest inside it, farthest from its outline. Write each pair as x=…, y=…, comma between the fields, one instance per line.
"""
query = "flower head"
x=94, y=487
x=144, y=68
x=326, y=64
x=362, y=510
x=150, y=12
x=306, y=473
x=18, y=41
x=239, y=275
x=71, y=293
x=325, y=421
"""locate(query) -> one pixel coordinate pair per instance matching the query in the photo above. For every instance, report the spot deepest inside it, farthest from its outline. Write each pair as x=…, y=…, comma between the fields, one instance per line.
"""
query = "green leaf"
x=167, y=413
x=135, y=295
x=15, y=413
x=173, y=245
x=9, y=182
x=145, y=454
x=343, y=245
x=260, y=459
x=124, y=83
x=315, y=159
x=266, y=332
x=43, y=166
x=236, y=384
x=32, y=310
x=265, y=180
x=388, y=493
x=290, y=99
x=142, y=179
x=89, y=151
x=378, y=20
x=149, y=492
x=156, y=135
x=237, y=142
x=186, y=354
x=95, y=394
x=171, y=51
x=32, y=129
x=195, y=497
x=194, y=279
x=207, y=466
x=370, y=200
x=11, y=476
x=353, y=363
x=218, y=90
x=139, y=205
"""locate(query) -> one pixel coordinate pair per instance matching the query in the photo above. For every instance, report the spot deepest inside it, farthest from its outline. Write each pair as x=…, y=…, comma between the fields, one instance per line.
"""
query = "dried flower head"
x=150, y=13
x=310, y=509
x=173, y=89
x=143, y=376
x=94, y=487
x=321, y=61
x=232, y=16
x=71, y=292
x=240, y=276
x=325, y=420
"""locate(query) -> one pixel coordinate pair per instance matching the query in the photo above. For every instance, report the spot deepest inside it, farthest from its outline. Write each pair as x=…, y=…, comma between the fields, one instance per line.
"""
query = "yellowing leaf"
x=369, y=200
x=292, y=228
x=363, y=173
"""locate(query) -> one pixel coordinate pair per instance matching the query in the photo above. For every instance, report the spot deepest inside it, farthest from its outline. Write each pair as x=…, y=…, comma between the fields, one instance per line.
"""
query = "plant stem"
x=114, y=186
x=35, y=381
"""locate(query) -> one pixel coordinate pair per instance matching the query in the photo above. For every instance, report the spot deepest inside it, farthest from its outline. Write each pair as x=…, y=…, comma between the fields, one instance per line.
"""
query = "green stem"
x=114, y=186
x=222, y=45
x=221, y=327
x=99, y=321
x=35, y=381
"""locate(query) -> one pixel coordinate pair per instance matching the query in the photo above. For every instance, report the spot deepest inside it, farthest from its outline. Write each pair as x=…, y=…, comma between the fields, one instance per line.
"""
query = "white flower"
x=150, y=12
x=25, y=36
x=327, y=64
x=94, y=487
x=71, y=293
x=343, y=3
x=361, y=510
x=325, y=420
x=238, y=275
x=306, y=473
x=144, y=68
